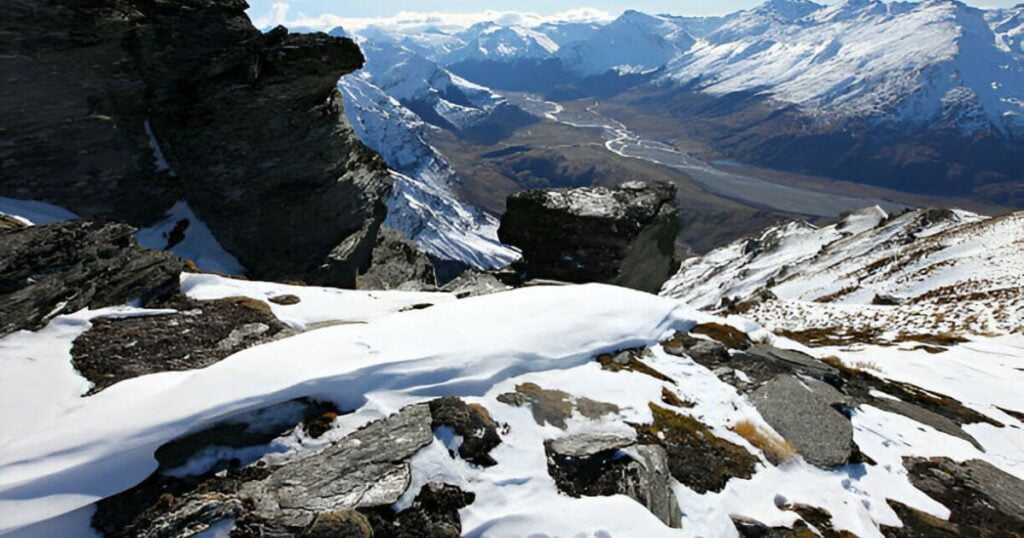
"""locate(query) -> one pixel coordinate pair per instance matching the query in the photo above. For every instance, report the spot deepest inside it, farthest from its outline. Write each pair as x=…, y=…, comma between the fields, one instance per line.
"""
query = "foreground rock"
x=121, y=109
x=61, y=268
x=342, y=490
x=623, y=236
x=607, y=464
x=801, y=410
x=198, y=335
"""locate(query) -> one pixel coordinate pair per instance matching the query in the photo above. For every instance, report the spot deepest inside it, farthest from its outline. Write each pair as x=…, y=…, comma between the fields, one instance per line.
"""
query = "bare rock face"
x=397, y=263
x=623, y=236
x=61, y=268
x=116, y=109
x=607, y=464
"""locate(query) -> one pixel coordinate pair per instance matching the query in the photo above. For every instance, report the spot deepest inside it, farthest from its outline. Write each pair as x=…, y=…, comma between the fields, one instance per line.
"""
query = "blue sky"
x=385, y=8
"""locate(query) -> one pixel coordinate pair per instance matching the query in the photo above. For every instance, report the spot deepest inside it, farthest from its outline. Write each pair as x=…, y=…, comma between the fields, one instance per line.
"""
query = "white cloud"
x=408, y=21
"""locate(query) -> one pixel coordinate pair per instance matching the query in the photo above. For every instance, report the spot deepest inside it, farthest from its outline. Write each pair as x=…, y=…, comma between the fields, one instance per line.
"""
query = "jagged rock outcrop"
x=119, y=108
x=397, y=263
x=61, y=268
x=594, y=464
x=623, y=236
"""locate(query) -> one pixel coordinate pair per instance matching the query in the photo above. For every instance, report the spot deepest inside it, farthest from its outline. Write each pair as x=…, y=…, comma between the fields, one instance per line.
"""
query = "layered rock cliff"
x=117, y=109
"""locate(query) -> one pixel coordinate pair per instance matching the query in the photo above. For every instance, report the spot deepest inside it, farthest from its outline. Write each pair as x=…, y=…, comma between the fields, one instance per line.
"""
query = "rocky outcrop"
x=121, y=108
x=198, y=335
x=61, y=268
x=471, y=422
x=348, y=487
x=983, y=500
x=623, y=236
x=697, y=457
x=594, y=464
x=397, y=263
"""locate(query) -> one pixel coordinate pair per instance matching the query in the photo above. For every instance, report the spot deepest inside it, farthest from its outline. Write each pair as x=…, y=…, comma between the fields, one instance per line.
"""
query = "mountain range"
x=921, y=97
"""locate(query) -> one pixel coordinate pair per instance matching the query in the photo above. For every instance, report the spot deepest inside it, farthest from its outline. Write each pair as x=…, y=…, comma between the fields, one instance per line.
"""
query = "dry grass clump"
x=775, y=448
x=940, y=339
x=854, y=369
x=727, y=335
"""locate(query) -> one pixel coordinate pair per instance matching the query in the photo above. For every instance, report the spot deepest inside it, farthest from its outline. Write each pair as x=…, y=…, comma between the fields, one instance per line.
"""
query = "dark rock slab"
x=918, y=524
x=983, y=500
x=473, y=423
x=397, y=263
x=697, y=458
x=61, y=268
x=623, y=236
x=434, y=513
x=608, y=464
x=120, y=109
x=802, y=411
x=199, y=334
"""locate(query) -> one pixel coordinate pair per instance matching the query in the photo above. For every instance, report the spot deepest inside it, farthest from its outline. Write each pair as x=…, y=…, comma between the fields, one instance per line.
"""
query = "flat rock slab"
x=367, y=468
x=801, y=411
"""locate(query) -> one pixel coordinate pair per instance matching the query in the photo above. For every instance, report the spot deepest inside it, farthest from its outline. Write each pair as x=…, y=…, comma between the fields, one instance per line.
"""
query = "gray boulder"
x=61, y=268
x=624, y=236
x=397, y=263
x=802, y=411
x=607, y=464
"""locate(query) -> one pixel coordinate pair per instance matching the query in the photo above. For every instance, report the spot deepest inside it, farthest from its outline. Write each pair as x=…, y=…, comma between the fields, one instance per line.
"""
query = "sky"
x=263, y=9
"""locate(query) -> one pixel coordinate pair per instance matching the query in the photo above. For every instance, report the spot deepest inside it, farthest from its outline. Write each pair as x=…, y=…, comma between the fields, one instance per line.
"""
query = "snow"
x=34, y=212
x=198, y=245
x=463, y=348
x=363, y=352
x=317, y=307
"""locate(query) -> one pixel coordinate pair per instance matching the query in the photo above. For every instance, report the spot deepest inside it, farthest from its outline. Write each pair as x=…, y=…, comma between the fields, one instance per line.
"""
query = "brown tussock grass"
x=775, y=448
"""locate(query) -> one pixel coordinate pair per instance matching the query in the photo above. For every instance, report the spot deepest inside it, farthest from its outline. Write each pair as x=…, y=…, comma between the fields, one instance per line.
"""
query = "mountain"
x=423, y=203
x=491, y=41
x=924, y=97
x=944, y=270
x=634, y=42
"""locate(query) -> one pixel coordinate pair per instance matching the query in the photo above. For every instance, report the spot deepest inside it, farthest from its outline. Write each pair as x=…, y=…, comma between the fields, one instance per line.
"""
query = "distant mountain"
x=634, y=42
x=423, y=203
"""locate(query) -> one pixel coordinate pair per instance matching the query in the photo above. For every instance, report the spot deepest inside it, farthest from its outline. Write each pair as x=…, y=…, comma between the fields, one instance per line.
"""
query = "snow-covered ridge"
x=423, y=204
x=931, y=261
x=934, y=63
x=58, y=462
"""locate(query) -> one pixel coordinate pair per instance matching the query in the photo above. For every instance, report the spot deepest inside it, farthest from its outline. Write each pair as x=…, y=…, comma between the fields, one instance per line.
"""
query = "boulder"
x=595, y=464
x=472, y=422
x=434, y=513
x=397, y=263
x=121, y=109
x=62, y=268
x=624, y=236
x=697, y=458
x=802, y=411
x=198, y=335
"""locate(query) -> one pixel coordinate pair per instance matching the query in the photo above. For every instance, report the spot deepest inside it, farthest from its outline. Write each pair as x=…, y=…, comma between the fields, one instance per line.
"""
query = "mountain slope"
x=634, y=42
x=422, y=203
x=924, y=270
